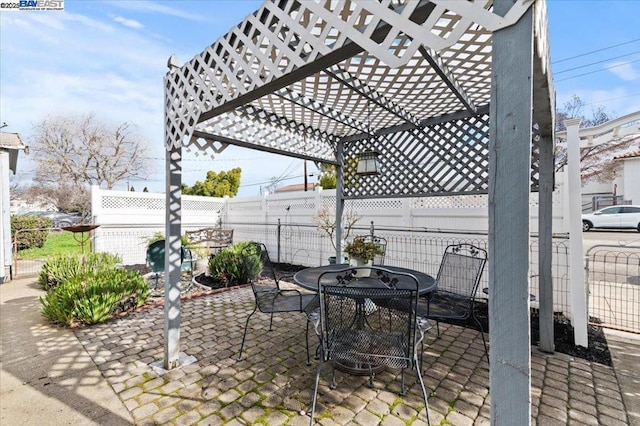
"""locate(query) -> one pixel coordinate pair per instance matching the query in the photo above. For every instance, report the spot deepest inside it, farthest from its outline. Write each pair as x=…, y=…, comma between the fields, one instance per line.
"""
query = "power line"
x=614, y=99
x=595, y=51
x=598, y=62
x=603, y=69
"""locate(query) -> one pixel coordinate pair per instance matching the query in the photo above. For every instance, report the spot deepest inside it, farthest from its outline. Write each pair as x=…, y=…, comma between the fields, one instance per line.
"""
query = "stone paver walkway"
x=274, y=386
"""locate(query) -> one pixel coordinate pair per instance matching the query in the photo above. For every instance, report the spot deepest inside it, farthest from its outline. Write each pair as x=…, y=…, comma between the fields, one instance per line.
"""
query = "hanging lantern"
x=368, y=163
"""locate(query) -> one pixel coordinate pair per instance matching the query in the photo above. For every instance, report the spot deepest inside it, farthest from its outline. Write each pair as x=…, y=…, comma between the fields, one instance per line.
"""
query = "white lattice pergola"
x=450, y=93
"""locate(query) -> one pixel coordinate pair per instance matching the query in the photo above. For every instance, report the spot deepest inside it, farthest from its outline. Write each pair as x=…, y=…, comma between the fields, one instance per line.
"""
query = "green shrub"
x=29, y=239
x=60, y=268
x=236, y=264
x=94, y=296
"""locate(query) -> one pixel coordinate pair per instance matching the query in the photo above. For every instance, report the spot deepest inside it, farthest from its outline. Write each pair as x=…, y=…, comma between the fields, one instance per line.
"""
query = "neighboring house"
x=630, y=176
x=296, y=187
x=624, y=186
x=10, y=145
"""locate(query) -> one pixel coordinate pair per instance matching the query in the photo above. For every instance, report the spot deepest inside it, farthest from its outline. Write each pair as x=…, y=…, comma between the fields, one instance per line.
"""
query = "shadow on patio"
x=273, y=385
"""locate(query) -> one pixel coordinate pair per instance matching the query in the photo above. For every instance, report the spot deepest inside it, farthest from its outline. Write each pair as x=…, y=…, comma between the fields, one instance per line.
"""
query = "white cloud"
x=131, y=23
x=152, y=7
x=624, y=70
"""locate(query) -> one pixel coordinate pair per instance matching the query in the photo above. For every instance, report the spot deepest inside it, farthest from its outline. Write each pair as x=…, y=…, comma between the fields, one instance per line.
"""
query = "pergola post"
x=509, y=187
x=339, y=199
x=173, y=215
x=576, y=252
x=545, y=243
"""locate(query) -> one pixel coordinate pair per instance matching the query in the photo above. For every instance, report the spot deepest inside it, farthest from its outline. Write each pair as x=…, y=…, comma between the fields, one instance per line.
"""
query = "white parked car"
x=620, y=217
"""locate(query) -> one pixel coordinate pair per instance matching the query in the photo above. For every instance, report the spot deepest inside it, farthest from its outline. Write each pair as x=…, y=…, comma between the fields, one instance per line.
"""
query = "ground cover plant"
x=89, y=289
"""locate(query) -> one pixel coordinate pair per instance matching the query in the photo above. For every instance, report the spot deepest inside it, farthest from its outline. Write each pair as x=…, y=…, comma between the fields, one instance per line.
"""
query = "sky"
x=109, y=58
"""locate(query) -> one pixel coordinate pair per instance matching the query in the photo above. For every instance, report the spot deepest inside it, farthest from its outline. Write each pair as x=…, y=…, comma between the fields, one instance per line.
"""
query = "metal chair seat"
x=364, y=347
x=457, y=284
x=269, y=298
x=277, y=301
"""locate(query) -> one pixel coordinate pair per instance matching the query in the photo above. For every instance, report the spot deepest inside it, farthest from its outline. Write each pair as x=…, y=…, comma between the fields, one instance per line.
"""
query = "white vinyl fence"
x=417, y=229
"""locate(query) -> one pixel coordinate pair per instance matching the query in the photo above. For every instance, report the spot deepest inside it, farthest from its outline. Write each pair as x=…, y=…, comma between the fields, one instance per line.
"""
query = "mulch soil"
x=598, y=350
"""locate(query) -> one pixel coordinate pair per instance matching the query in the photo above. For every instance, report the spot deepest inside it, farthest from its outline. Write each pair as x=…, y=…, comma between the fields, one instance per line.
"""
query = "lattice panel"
x=258, y=128
x=203, y=205
x=447, y=158
x=285, y=36
x=158, y=202
x=300, y=204
x=133, y=202
x=450, y=202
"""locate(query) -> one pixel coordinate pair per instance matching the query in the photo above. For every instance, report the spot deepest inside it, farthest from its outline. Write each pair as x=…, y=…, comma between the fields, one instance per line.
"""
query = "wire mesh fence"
x=612, y=272
x=305, y=245
x=613, y=284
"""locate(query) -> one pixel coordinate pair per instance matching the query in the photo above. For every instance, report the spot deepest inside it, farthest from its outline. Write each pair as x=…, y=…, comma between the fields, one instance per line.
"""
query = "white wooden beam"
x=509, y=186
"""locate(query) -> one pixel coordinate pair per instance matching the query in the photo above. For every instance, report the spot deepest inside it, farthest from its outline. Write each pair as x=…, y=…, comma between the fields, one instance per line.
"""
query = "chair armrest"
x=283, y=291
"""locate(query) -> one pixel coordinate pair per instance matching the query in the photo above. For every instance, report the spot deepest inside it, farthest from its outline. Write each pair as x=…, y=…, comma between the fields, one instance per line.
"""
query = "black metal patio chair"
x=357, y=339
x=268, y=296
x=457, y=286
x=155, y=259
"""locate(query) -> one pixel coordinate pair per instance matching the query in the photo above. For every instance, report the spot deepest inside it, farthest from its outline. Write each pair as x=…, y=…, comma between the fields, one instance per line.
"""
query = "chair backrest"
x=381, y=242
x=266, y=278
x=368, y=320
x=461, y=269
x=155, y=255
x=211, y=237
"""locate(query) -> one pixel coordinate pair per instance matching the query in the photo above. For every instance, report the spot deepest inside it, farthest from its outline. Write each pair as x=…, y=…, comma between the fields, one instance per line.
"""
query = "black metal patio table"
x=308, y=279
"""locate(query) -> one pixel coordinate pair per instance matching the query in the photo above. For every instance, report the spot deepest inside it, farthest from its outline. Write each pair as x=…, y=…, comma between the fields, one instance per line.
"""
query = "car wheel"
x=586, y=226
x=63, y=223
x=638, y=226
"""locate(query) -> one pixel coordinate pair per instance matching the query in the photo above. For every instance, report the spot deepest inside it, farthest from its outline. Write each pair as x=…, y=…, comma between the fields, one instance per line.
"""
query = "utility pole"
x=305, y=175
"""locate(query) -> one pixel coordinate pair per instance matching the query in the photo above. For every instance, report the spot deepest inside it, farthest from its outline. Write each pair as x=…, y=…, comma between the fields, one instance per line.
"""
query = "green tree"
x=327, y=176
x=216, y=184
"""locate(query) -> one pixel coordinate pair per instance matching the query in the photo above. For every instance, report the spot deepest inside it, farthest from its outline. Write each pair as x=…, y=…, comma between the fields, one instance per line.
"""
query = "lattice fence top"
x=157, y=202
x=302, y=204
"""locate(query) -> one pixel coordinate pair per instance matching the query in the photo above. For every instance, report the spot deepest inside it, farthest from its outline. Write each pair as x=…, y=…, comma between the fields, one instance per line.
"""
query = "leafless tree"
x=597, y=163
x=71, y=153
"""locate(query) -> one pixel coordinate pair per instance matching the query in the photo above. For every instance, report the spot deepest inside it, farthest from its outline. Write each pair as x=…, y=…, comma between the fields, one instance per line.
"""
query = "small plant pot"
x=202, y=265
x=359, y=262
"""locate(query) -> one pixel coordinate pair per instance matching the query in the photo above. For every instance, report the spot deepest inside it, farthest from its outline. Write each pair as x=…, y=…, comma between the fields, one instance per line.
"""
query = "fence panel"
x=613, y=283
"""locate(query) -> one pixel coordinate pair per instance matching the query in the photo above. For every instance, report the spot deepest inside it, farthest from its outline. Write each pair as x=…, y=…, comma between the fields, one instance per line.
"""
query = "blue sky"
x=109, y=58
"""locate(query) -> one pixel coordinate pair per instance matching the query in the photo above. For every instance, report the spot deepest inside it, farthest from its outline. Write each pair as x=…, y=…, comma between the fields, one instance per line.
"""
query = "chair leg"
x=246, y=325
x=424, y=393
x=484, y=342
x=271, y=322
x=306, y=339
x=334, y=384
x=315, y=391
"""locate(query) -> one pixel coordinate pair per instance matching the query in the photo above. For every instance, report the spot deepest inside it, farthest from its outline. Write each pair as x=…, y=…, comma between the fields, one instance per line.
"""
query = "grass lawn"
x=57, y=243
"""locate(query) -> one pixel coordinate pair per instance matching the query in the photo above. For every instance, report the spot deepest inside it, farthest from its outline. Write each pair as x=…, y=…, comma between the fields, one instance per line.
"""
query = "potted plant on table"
x=362, y=253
